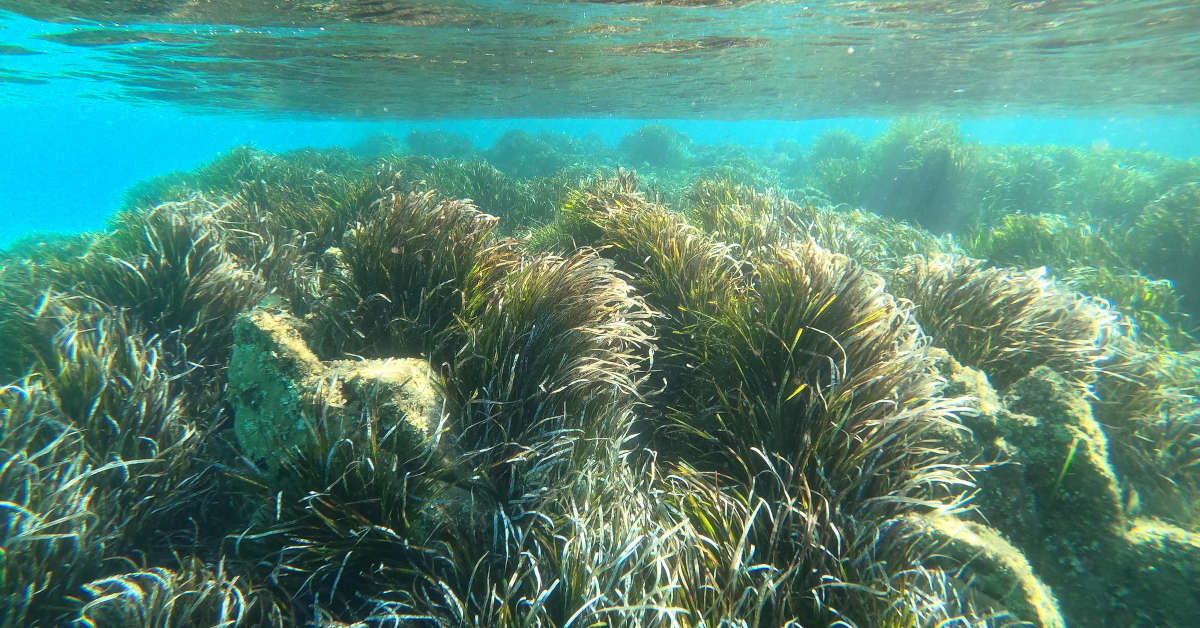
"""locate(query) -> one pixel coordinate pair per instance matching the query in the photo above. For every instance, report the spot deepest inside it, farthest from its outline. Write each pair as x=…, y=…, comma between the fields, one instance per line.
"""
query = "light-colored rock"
x=282, y=394
x=999, y=571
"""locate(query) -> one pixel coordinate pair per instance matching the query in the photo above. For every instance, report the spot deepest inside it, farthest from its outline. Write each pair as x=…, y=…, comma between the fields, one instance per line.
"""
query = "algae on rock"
x=999, y=571
x=1049, y=488
x=279, y=390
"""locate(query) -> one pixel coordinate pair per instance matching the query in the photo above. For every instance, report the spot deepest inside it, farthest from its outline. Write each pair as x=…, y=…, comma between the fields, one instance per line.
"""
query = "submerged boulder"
x=1159, y=574
x=1063, y=453
x=281, y=391
x=1001, y=574
x=1049, y=494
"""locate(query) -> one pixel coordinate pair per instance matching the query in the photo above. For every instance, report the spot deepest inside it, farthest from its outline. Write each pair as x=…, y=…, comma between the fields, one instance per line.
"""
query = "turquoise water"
x=101, y=148
x=102, y=96
x=673, y=313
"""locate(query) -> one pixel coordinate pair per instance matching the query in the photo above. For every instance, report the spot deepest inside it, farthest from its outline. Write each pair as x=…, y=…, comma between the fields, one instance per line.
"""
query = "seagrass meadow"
x=905, y=381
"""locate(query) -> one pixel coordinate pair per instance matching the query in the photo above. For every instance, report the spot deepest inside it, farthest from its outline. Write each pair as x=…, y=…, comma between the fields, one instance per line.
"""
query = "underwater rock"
x=1064, y=452
x=968, y=384
x=1049, y=488
x=1159, y=574
x=279, y=389
x=1047, y=455
x=1049, y=481
x=999, y=571
x=1003, y=496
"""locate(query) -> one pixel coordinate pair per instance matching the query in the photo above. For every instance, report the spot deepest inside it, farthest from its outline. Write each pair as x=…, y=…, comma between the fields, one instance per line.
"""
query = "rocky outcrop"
x=1001, y=576
x=1049, y=492
x=281, y=392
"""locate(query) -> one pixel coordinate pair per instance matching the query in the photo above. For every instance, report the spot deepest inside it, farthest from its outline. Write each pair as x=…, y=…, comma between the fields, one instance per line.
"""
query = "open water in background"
x=97, y=95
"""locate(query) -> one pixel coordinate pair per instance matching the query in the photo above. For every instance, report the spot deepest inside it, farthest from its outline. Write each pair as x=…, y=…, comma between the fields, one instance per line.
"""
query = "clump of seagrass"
x=550, y=350
x=542, y=387
x=402, y=273
x=168, y=266
x=109, y=333
x=742, y=216
x=32, y=310
x=1168, y=240
x=98, y=453
x=1095, y=258
x=1151, y=309
x=601, y=549
x=750, y=219
x=689, y=265
x=282, y=231
x=1148, y=399
x=26, y=333
x=877, y=242
x=539, y=358
x=1031, y=240
x=104, y=379
x=192, y=594
x=795, y=414
x=1005, y=321
x=52, y=540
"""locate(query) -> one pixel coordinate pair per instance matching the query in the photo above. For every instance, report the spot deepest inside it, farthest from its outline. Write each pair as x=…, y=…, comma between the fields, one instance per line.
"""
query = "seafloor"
x=910, y=381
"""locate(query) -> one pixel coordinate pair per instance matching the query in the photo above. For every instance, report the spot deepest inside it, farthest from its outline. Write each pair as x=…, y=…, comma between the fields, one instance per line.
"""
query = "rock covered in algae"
x=1162, y=566
x=279, y=390
x=1049, y=493
x=1048, y=455
x=1000, y=572
x=1064, y=451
